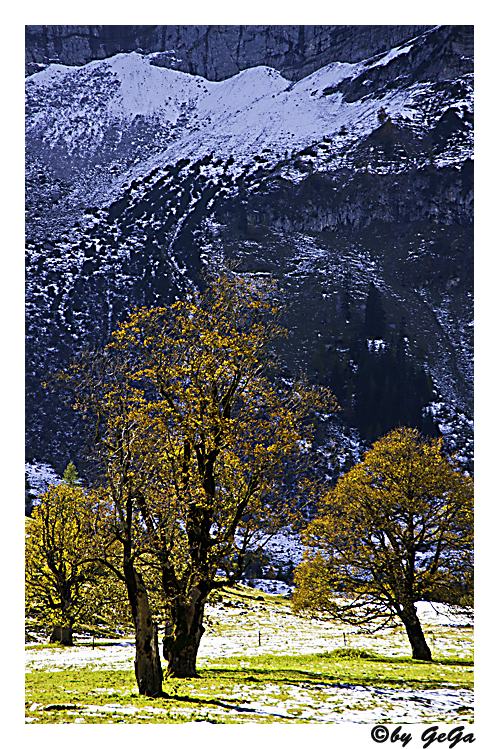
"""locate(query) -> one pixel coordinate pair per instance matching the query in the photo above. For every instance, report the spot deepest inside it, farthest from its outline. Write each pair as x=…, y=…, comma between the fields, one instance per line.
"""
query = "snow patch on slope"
x=77, y=107
x=40, y=477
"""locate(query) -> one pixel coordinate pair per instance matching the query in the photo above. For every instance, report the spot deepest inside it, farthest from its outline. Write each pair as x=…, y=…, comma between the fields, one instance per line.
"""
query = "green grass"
x=262, y=685
x=227, y=690
x=62, y=695
x=336, y=667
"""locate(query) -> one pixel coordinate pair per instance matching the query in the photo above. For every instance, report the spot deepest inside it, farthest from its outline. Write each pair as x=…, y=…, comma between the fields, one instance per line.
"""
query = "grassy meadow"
x=260, y=663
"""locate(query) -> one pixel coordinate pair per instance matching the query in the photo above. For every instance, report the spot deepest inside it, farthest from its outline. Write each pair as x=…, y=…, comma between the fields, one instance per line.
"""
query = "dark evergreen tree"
x=28, y=497
x=346, y=296
x=381, y=389
x=375, y=317
x=402, y=341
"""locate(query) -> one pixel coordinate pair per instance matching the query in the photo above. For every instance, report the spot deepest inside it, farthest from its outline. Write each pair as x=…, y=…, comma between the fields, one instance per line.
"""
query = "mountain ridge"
x=215, y=52
x=360, y=173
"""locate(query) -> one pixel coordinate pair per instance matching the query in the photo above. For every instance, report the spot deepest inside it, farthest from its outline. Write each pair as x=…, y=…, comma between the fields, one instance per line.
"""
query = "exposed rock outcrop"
x=216, y=52
x=354, y=177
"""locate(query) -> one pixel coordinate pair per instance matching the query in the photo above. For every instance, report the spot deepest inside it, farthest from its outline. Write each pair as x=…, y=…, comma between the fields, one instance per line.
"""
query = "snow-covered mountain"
x=355, y=176
x=86, y=113
x=215, y=52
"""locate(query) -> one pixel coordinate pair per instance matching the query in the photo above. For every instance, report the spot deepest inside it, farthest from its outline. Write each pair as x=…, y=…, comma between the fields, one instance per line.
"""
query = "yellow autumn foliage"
x=396, y=529
x=60, y=565
x=194, y=440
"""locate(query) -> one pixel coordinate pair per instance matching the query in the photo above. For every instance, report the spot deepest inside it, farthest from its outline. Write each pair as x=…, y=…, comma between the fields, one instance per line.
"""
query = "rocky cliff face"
x=215, y=52
x=352, y=184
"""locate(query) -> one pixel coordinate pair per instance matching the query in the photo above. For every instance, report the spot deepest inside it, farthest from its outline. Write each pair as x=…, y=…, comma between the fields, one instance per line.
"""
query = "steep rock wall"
x=332, y=184
x=216, y=52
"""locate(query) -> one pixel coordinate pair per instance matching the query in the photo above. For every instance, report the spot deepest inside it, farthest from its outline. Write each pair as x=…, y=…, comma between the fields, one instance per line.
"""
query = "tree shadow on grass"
x=373, y=658
x=302, y=677
x=202, y=702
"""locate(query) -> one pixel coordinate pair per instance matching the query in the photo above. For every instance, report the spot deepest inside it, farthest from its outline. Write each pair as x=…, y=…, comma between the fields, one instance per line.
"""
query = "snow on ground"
x=278, y=631
x=275, y=587
x=357, y=704
x=285, y=547
x=113, y=657
x=281, y=631
x=442, y=614
x=263, y=630
x=319, y=704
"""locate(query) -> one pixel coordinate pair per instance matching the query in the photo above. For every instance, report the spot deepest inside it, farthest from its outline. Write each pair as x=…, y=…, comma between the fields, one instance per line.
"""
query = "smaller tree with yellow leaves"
x=395, y=530
x=60, y=566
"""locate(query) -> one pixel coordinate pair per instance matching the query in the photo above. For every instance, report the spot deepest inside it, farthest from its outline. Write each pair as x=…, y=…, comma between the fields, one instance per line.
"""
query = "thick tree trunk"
x=183, y=635
x=420, y=650
x=64, y=635
x=148, y=671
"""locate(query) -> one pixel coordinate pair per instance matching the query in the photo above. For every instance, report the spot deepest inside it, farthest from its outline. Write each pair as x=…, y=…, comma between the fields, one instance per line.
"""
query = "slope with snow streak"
x=83, y=108
x=131, y=166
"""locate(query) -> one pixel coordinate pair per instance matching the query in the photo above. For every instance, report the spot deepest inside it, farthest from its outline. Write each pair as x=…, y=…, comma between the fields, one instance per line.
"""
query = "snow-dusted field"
x=275, y=630
x=241, y=631
x=281, y=632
